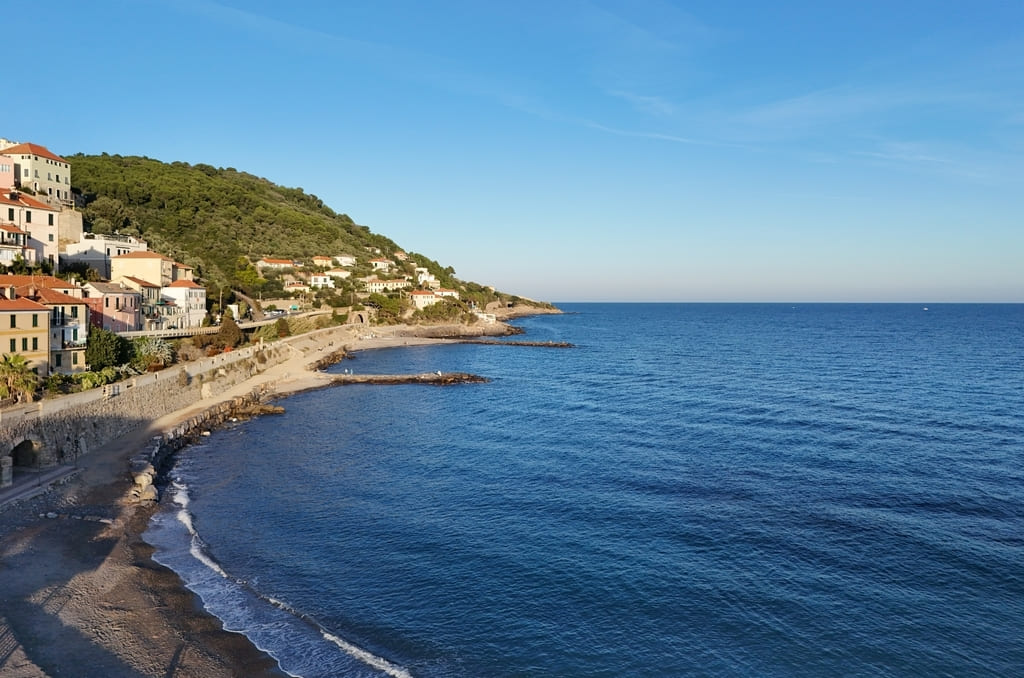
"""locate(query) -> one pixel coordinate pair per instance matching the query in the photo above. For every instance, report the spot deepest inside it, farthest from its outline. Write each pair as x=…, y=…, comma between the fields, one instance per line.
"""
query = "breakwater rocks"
x=148, y=468
x=436, y=378
x=541, y=344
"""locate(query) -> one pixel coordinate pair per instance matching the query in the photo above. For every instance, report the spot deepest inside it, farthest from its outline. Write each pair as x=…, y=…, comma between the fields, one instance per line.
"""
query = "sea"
x=689, y=490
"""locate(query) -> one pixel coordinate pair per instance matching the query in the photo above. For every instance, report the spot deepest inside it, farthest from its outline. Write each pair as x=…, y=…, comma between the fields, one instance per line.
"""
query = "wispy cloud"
x=653, y=105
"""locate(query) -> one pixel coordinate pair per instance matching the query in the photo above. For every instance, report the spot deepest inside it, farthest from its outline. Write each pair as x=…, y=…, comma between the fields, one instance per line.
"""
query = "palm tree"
x=17, y=380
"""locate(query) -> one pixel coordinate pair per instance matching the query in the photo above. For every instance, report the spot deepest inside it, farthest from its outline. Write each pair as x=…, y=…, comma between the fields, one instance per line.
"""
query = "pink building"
x=113, y=307
x=6, y=172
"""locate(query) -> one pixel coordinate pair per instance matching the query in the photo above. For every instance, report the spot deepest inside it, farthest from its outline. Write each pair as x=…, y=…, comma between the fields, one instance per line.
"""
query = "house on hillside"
x=322, y=261
x=296, y=286
x=6, y=172
x=375, y=285
x=423, y=298
x=113, y=306
x=345, y=259
x=321, y=280
x=42, y=171
x=277, y=264
x=442, y=292
x=381, y=264
x=338, y=273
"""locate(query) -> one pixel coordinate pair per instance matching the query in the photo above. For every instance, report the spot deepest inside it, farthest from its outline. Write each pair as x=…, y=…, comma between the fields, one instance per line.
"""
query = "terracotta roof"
x=20, y=304
x=142, y=254
x=268, y=260
x=33, y=149
x=48, y=296
x=37, y=280
x=11, y=228
x=139, y=281
x=184, y=283
x=24, y=201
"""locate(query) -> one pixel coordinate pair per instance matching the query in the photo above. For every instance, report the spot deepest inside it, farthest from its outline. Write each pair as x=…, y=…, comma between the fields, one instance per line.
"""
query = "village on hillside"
x=45, y=319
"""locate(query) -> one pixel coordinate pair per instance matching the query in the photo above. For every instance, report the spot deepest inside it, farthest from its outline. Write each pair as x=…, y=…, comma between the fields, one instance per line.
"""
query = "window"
x=74, y=358
x=56, y=359
x=26, y=171
x=35, y=320
x=49, y=176
x=106, y=302
x=74, y=311
x=37, y=174
x=50, y=236
x=35, y=343
x=24, y=344
x=50, y=223
x=58, y=178
x=10, y=214
x=14, y=322
x=74, y=335
x=28, y=216
x=14, y=345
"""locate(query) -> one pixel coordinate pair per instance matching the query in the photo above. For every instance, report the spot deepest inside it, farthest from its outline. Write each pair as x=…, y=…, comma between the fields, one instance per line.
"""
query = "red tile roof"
x=32, y=149
x=48, y=296
x=139, y=281
x=11, y=228
x=20, y=304
x=37, y=280
x=184, y=283
x=24, y=201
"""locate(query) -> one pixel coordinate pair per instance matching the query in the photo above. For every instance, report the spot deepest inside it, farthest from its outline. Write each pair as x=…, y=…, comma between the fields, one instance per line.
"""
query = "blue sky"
x=583, y=150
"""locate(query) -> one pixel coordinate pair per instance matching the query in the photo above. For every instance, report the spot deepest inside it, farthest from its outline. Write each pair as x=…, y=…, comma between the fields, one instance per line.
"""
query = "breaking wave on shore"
x=300, y=644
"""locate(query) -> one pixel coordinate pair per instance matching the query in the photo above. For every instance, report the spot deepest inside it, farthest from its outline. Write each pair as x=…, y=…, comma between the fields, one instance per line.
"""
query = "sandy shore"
x=80, y=595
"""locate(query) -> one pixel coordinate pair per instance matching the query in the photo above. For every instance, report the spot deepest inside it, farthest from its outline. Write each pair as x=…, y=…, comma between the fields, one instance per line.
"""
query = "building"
x=40, y=221
x=345, y=260
x=323, y=262
x=95, y=250
x=25, y=329
x=321, y=280
x=277, y=264
x=296, y=286
x=442, y=292
x=375, y=285
x=45, y=173
x=113, y=306
x=149, y=266
x=6, y=172
x=68, y=329
x=423, y=298
x=381, y=264
x=14, y=245
x=185, y=304
x=153, y=316
x=338, y=273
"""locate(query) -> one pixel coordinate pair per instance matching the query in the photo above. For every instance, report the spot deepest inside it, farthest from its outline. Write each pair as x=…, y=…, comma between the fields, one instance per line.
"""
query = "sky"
x=584, y=150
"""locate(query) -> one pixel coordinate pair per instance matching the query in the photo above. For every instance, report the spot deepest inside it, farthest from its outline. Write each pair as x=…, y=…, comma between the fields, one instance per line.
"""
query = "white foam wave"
x=369, y=658
x=181, y=496
x=196, y=549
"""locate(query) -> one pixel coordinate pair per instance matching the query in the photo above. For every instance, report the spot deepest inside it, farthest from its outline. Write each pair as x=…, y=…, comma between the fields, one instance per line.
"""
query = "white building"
x=320, y=280
x=345, y=260
x=96, y=249
x=186, y=303
x=47, y=174
x=423, y=298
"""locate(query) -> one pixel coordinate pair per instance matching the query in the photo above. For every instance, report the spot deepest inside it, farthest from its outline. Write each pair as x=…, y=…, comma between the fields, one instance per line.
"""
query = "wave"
x=302, y=646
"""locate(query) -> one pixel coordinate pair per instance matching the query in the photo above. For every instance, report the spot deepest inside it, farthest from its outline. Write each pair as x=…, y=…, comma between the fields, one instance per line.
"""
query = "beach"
x=80, y=594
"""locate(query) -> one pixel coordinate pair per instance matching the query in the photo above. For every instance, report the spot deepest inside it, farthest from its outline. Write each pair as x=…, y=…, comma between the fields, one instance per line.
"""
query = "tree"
x=229, y=333
x=106, y=349
x=17, y=380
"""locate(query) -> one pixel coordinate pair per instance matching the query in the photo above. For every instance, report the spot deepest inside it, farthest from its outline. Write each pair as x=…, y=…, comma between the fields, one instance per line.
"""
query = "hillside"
x=219, y=220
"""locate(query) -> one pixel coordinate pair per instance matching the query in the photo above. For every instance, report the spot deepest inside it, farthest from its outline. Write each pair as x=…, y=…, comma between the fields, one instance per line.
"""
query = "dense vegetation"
x=219, y=221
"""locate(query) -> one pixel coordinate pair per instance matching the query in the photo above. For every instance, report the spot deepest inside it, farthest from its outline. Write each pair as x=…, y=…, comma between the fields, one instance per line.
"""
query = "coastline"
x=81, y=594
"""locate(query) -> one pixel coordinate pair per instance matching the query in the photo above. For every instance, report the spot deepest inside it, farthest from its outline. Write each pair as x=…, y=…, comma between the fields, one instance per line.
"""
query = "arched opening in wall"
x=26, y=454
x=360, y=319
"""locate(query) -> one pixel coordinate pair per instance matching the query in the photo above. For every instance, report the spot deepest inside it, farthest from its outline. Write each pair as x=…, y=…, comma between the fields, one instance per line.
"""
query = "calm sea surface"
x=713, y=490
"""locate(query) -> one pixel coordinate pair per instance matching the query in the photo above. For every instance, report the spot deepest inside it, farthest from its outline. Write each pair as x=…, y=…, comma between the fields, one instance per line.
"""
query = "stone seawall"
x=59, y=430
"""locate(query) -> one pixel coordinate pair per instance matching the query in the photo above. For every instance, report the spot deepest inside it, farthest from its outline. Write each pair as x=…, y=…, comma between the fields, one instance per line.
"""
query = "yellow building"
x=25, y=329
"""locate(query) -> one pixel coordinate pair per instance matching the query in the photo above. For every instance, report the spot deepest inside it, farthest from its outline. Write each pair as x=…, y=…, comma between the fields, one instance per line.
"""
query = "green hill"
x=221, y=221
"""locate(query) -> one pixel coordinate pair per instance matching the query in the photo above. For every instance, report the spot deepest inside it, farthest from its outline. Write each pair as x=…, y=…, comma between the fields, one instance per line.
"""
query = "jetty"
x=435, y=378
x=495, y=342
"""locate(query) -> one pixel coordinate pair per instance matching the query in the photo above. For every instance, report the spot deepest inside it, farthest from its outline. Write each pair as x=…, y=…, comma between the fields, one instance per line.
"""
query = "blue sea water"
x=695, y=489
